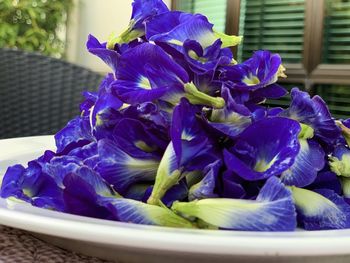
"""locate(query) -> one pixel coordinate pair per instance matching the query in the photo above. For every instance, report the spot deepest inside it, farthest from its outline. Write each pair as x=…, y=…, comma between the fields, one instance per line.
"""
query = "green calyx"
x=340, y=167
x=227, y=40
x=307, y=132
x=128, y=35
x=197, y=97
x=162, y=184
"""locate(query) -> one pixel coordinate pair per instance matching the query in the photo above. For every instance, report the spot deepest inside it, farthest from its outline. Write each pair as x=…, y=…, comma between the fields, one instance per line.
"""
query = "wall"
x=97, y=17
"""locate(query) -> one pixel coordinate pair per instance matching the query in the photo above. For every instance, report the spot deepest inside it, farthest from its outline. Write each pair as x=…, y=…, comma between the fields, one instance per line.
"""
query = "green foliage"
x=34, y=25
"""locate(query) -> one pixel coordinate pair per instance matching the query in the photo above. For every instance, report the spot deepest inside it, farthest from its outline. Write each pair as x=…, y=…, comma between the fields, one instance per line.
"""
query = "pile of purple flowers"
x=179, y=135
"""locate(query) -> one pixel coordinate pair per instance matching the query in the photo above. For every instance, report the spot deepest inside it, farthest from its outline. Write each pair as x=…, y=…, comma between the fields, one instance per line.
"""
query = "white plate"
x=136, y=243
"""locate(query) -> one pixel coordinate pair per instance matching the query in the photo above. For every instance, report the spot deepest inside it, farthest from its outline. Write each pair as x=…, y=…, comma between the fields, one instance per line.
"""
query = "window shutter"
x=214, y=10
x=275, y=25
x=336, y=41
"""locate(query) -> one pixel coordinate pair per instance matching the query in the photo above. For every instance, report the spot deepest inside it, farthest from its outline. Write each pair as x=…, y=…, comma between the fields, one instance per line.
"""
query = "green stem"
x=197, y=97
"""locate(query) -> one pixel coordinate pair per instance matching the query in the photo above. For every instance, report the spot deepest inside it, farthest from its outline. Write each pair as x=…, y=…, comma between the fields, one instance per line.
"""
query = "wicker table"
x=17, y=246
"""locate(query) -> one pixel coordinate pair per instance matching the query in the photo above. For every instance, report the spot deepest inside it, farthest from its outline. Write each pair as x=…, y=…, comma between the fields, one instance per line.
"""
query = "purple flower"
x=313, y=112
x=266, y=148
x=260, y=71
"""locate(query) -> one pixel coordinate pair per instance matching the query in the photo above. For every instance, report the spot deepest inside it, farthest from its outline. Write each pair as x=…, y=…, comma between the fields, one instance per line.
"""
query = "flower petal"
x=131, y=211
x=266, y=148
x=205, y=188
x=321, y=210
x=120, y=169
x=273, y=210
x=110, y=57
x=309, y=161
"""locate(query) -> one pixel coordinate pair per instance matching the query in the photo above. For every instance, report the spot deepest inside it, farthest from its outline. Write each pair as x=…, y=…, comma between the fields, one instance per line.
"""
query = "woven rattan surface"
x=39, y=94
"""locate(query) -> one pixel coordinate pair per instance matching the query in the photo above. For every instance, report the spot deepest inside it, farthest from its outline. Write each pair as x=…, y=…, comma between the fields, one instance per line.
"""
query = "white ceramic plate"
x=136, y=243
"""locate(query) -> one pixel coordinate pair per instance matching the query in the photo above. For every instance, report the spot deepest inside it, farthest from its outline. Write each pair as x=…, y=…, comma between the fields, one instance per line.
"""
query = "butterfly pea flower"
x=308, y=162
x=86, y=193
x=140, y=141
x=273, y=210
x=266, y=148
x=313, y=112
x=122, y=170
x=232, y=119
x=148, y=73
x=32, y=185
x=82, y=192
x=189, y=144
x=60, y=166
x=174, y=28
x=131, y=211
x=340, y=161
x=75, y=134
x=143, y=11
x=260, y=71
x=206, y=187
x=320, y=209
x=202, y=60
x=108, y=56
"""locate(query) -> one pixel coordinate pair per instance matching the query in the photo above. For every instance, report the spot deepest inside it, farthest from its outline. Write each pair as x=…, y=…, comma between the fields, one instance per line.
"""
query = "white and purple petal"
x=321, y=210
x=273, y=210
x=309, y=161
x=122, y=170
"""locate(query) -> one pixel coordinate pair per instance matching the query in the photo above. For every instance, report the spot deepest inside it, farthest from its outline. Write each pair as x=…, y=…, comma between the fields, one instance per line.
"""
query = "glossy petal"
x=313, y=112
x=232, y=119
x=60, y=166
x=120, y=169
x=140, y=141
x=81, y=198
x=147, y=73
x=195, y=27
x=273, y=210
x=309, y=161
x=321, y=210
x=202, y=60
x=266, y=148
x=255, y=73
x=205, y=188
x=143, y=10
x=76, y=134
x=340, y=161
x=110, y=57
x=188, y=144
x=33, y=186
x=131, y=211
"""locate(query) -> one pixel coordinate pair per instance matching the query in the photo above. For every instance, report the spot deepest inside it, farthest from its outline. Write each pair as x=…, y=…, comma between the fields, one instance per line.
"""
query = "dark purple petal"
x=266, y=148
x=110, y=57
x=76, y=134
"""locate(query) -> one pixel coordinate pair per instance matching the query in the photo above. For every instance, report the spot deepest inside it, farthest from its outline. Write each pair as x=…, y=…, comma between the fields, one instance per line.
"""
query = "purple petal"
x=266, y=148
x=309, y=161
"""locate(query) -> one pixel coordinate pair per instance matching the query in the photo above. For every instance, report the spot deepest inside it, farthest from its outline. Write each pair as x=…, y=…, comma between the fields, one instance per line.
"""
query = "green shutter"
x=275, y=25
x=215, y=10
x=337, y=97
x=336, y=41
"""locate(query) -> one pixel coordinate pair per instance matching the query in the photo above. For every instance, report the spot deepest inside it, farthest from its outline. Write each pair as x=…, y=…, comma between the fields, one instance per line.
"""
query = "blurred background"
x=312, y=36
